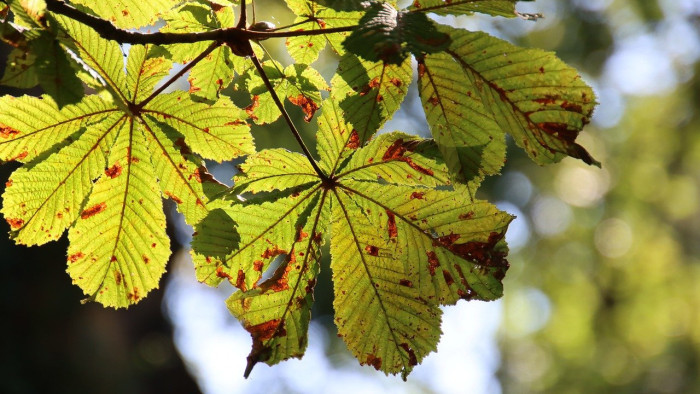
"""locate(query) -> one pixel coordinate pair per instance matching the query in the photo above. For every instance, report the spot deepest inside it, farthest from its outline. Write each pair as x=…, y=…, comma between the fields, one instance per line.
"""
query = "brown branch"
x=287, y=118
x=232, y=34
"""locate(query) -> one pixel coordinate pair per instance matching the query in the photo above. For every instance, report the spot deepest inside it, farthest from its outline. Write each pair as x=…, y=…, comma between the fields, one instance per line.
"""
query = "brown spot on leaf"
x=310, y=286
x=240, y=280
x=391, y=224
x=118, y=277
x=354, y=141
x=7, y=131
x=307, y=105
x=559, y=130
x=301, y=234
x=252, y=107
x=9, y=183
x=134, y=295
x=371, y=85
x=280, y=282
x=75, y=257
x=417, y=195
x=421, y=68
x=434, y=101
x=433, y=262
x=546, y=100
x=145, y=258
x=272, y=252
x=258, y=265
x=466, y=216
x=93, y=210
x=374, y=361
x=396, y=82
x=221, y=274
x=267, y=330
x=372, y=250
x=15, y=223
x=466, y=295
x=113, y=259
x=397, y=150
x=114, y=171
x=448, y=277
x=406, y=282
x=202, y=175
x=481, y=253
x=173, y=197
x=21, y=156
x=571, y=107
x=411, y=354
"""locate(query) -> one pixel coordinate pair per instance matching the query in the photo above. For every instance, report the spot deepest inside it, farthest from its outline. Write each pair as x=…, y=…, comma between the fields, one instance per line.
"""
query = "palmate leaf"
x=401, y=245
x=101, y=168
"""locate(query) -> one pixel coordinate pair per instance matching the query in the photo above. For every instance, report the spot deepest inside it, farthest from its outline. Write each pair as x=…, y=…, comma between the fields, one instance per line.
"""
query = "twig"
x=286, y=117
x=242, y=19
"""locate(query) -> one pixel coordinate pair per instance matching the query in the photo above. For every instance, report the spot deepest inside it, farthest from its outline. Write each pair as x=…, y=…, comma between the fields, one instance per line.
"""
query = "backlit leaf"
x=392, y=233
x=129, y=13
x=461, y=7
x=369, y=93
x=102, y=167
x=534, y=96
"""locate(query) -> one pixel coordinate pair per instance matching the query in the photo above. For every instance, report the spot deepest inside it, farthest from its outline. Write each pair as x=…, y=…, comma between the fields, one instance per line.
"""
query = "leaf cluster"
x=106, y=144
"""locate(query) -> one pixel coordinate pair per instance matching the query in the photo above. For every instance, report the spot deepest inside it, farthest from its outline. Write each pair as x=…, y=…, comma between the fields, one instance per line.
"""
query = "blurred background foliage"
x=603, y=292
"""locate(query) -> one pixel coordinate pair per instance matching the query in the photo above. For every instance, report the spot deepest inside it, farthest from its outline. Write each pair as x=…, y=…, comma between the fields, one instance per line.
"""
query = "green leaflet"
x=54, y=71
x=389, y=35
x=320, y=15
x=19, y=70
x=129, y=13
x=383, y=209
x=470, y=141
x=531, y=94
x=369, y=93
x=460, y=7
x=101, y=168
x=118, y=247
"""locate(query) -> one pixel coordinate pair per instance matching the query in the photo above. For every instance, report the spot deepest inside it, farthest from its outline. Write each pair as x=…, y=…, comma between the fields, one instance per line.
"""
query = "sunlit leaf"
x=369, y=93
x=392, y=232
x=101, y=167
x=466, y=7
x=129, y=13
x=531, y=94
